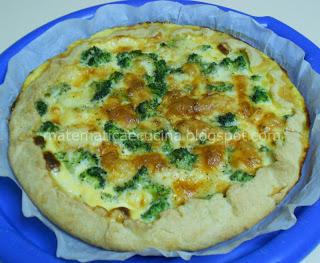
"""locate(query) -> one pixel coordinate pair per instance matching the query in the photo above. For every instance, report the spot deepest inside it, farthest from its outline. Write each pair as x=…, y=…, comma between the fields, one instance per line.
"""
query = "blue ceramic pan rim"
x=285, y=246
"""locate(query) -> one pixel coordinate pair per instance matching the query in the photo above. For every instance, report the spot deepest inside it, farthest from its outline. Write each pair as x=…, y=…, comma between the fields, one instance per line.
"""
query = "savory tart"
x=158, y=135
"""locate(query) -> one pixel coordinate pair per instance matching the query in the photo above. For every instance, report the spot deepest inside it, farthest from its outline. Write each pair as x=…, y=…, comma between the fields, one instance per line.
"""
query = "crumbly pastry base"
x=197, y=224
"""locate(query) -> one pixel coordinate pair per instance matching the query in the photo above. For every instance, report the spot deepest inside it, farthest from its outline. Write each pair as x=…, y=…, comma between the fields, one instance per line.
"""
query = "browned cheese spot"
x=224, y=48
x=245, y=156
x=51, y=161
x=120, y=214
x=245, y=107
x=185, y=189
x=215, y=102
x=124, y=115
x=88, y=73
x=222, y=186
x=193, y=126
x=39, y=141
x=136, y=90
x=193, y=71
x=119, y=169
x=55, y=113
x=183, y=106
x=270, y=126
x=153, y=161
x=120, y=49
x=210, y=156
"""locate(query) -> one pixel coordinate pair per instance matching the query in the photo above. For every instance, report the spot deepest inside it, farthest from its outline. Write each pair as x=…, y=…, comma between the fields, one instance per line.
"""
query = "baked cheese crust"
x=158, y=135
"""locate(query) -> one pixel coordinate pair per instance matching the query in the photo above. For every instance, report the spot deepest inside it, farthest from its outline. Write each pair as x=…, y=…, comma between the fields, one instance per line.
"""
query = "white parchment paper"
x=290, y=56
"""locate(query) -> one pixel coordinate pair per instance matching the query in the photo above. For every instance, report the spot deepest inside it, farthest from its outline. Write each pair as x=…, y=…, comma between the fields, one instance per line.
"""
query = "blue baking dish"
x=28, y=240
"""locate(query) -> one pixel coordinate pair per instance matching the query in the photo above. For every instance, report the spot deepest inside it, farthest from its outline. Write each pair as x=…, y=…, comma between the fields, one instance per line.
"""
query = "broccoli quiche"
x=158, y=135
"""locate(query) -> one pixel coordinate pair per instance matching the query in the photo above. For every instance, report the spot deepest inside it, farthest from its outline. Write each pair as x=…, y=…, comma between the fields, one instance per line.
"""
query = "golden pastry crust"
x=192, y=221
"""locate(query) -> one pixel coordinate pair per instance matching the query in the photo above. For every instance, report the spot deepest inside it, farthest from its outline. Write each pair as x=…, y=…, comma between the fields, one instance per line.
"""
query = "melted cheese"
x=188, y=107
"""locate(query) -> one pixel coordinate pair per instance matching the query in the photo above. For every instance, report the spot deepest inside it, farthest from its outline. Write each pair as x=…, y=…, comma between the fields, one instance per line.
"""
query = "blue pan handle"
x=11, y=244
x=312, y=51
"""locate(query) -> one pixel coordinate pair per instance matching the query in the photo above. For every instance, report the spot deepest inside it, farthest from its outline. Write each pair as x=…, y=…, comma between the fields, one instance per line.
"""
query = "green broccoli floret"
x=41, y=107
x=240, y=63
x=255, y=77
x=203, y=140
x=61, y=88
x=141, y=176
x=157, y=190
x=124, y=59
x=264, y=149
x=259, y=95
x=147, y=109
x=153, y=56
x=220, y=87
x=149, y=79
x=241, y=176
x=232, y=129
x=176, y=70
x=131, y=142
x=287, y=116
x=205, y=47
x=108, y=197
x=94, y=57
x=194, y=58
x=167, y=147
x=159, y=193
x=114, y=132
x=130, y=185
x=136, y=53
x=72, y=159
x=115, y=77
x=158, y=88
x=103, y=88
x=86, y=156
x=94, y=176
x=208, y=68
x=227, y=119
x=157, y=82
x=226, y=62
x=169, y=44
x=134, y=144
x=160, y=202
x=161, y=70
x=161, y=134
x=48, y=126
x=155, y=209
x=182, y=158
x=140, y=179
x=58, y=90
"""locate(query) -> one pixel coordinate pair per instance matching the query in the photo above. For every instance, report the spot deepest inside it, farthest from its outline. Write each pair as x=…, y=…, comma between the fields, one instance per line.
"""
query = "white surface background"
x=19, y=17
